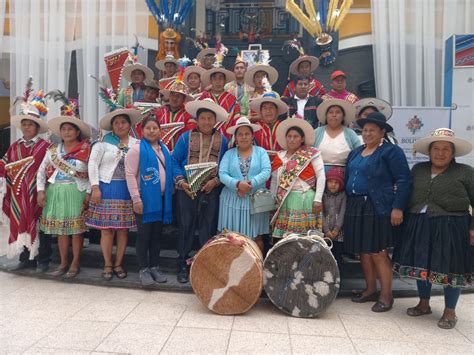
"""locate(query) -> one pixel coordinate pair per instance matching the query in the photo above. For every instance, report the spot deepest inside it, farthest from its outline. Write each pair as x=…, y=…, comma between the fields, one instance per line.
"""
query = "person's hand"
x=96, y=196
x=187, y=189
x=254, y=116
x=471, y=236
x=138, y=207
x=317, y=207
x=41, y=199
x=209, y=186
x=396, y=217
x=85, y=203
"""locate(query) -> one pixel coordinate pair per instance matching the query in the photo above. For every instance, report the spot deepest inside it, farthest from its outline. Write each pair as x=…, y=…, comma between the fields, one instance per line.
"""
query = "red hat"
x=336, y=173
x=337, y=73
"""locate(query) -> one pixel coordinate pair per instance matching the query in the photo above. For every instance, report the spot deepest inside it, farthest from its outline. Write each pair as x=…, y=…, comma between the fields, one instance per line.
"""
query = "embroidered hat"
x=241, y=122
x=284, y=126
x=381, y=105
x=177, y=86
x=336, y=173
x=462, y=146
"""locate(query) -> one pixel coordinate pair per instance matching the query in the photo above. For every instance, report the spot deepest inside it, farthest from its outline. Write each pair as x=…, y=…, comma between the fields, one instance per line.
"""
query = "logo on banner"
x=414, y=124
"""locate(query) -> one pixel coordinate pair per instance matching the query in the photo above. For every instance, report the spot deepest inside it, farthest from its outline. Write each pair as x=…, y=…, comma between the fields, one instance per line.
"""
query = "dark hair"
x=237, y=129
x=202, y=110
x=342, y=109
x=150, y=118
x=214, y=74
x=75, y=127
x=296, y=129
x=451, y=143
x=36, y=123
x=300, y=78
x=127, y=118
x=366, y=107
x=268, y=102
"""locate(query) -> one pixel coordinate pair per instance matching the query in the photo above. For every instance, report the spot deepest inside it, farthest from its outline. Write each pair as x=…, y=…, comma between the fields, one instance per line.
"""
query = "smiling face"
x=372, y=134
x=441, y=154
x=244, y=137
x=69, y=132
x=194, y=81
x=121, y=126
x=170, y=69
x=137, y=76
x=206, y=121
x=334, y=116
x=151, y=131
x=269, y=112
x=29, y=129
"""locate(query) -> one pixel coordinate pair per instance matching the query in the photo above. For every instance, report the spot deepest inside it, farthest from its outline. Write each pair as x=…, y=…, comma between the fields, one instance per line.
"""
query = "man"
x=19, y=180
x=136, y=74
x=303, y=105
x=207, y=58
x=192, y=78
x=254, y=77
x=338, y=91
x=198, y=210
x=217, y=78
x=305, y=66
x=238, y=87
x=168, y=67
x=151, y=92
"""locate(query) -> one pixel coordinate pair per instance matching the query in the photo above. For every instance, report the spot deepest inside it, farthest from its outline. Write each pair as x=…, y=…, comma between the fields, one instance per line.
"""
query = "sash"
x=64, y=167
x=296, y=167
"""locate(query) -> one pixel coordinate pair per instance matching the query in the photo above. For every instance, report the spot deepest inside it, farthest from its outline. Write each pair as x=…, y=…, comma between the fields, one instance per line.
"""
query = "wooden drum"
x=227, y=273
x=301, y=276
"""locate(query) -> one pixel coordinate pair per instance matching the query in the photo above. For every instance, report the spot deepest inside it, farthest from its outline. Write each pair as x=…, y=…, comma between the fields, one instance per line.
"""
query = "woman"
x=110, y=208
x=192, y=78
x=298, y=179
x=378, y=186
x=64, y=168
x=243, y=170
x=334, y=139
x=438, y=237
x=368, y=105
x=149, y=175
x=254, y=77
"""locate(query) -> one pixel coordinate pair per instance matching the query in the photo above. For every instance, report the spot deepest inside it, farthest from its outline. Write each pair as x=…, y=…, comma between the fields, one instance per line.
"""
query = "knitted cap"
x=336, y=173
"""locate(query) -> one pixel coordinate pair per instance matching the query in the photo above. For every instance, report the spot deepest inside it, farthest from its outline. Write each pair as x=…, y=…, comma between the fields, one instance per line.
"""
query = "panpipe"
x=226, y=274
x=301, y=276
x=169, y=130
x=114, y=62
x=16, y=172
x=198, y=174
x=146, y=107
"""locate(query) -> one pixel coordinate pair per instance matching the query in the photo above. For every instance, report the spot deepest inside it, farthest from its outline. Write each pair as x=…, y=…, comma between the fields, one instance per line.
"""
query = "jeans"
x=451, y=294
x=148, y=242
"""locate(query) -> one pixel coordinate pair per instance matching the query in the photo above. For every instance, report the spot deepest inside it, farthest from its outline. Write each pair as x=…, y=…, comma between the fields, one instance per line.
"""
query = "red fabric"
x=81, y=151
x=266, y=137
x=316, y=88
x=336, y=173
x=23, y=209
x=337, y=73
x=307, y=174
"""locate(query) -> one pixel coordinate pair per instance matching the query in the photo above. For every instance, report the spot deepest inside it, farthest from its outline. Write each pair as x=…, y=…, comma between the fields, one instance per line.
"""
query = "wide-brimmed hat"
x=377, y=118
x=206, y=76
x=194, y=106
x=461, y=146
x=32, y=113
x=204, y=53
x=179, y=87
x=193, y=69
x=272, y=74
x=381, y=105
x=304, y=58
x=243, y=122
x=272, y=97
x=106, y=121
x=55, y=123
x=349, y=110
x=284, y=126
x=154, y=84
x=128, y=69
x=160, y=65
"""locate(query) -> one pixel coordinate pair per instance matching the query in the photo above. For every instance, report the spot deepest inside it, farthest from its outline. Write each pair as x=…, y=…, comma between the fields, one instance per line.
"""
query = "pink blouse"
x=132, y=171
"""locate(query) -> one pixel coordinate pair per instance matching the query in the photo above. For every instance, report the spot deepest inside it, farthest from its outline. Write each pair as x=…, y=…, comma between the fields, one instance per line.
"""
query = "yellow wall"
x=355, y=25
x=6, y=26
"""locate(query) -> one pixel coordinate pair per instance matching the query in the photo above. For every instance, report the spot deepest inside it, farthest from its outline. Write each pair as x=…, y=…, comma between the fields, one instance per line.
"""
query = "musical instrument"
x=198, y=174
x=301, y=276
x=169, y=130
x=226, y=274
x=16, y=172
x=114, y=62
x=146, y=107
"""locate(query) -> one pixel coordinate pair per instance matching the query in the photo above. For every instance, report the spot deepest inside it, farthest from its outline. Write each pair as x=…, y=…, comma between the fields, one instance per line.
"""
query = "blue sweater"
x=388, y=177
x=180, y=154
x=259, y=172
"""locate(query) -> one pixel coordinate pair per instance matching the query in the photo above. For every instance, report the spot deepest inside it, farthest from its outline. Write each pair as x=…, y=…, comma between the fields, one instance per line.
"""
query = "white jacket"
x=103, y=161
x=82, y=184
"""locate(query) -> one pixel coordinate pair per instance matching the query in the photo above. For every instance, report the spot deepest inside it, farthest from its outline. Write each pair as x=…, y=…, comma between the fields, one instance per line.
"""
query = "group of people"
x=328, y=159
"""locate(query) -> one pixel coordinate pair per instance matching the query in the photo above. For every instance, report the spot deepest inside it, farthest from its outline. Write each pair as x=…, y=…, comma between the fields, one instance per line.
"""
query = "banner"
x=412, y=123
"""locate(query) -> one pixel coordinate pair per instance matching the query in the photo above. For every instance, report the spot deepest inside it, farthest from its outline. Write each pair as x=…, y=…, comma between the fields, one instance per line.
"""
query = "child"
x=334, y=207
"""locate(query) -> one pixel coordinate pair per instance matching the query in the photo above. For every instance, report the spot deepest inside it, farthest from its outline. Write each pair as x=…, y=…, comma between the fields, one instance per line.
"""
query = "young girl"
x=334, y=207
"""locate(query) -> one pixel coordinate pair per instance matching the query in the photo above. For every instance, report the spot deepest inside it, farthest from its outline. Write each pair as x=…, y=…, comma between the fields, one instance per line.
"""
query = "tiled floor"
x=42, y=316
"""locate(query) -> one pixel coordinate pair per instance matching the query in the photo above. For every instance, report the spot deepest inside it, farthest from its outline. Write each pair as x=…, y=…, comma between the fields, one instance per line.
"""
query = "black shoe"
x=360, y=298
x=22, y=265
x=42, y=268
x=183, y=276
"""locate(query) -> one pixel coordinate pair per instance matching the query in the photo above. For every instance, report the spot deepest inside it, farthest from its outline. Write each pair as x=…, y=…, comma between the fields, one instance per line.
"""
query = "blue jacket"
x=259, y=172
x=181, y=154
x=388, y=176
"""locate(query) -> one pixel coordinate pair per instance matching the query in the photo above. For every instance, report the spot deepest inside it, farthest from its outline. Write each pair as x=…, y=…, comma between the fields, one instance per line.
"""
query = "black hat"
x=378, y=118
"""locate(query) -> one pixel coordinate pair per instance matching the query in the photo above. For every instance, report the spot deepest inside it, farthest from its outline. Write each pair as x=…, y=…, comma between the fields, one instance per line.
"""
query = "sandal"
x=72, y=273
x=417, y=311
x=380, y=307
x=61, y=270
x=120, y=272
x=445, y=323
x=107, y=275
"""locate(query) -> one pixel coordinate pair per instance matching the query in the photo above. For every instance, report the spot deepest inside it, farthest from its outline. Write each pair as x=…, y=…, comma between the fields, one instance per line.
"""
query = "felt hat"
x=461, y=146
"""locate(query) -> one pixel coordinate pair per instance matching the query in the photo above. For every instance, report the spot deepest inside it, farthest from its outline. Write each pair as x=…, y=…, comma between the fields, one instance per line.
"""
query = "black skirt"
x=436, y=249
x=366, y=232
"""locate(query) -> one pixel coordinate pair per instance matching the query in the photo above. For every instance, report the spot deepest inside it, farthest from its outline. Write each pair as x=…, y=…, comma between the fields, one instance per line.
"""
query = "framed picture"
x=255, y=55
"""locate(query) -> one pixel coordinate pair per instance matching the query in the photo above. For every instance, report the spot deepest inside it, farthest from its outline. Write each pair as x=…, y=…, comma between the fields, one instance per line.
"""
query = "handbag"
x=262, y=201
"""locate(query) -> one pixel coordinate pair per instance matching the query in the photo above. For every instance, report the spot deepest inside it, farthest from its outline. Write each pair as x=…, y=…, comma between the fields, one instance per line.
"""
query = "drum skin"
x=227, y=274
x=301, y=276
